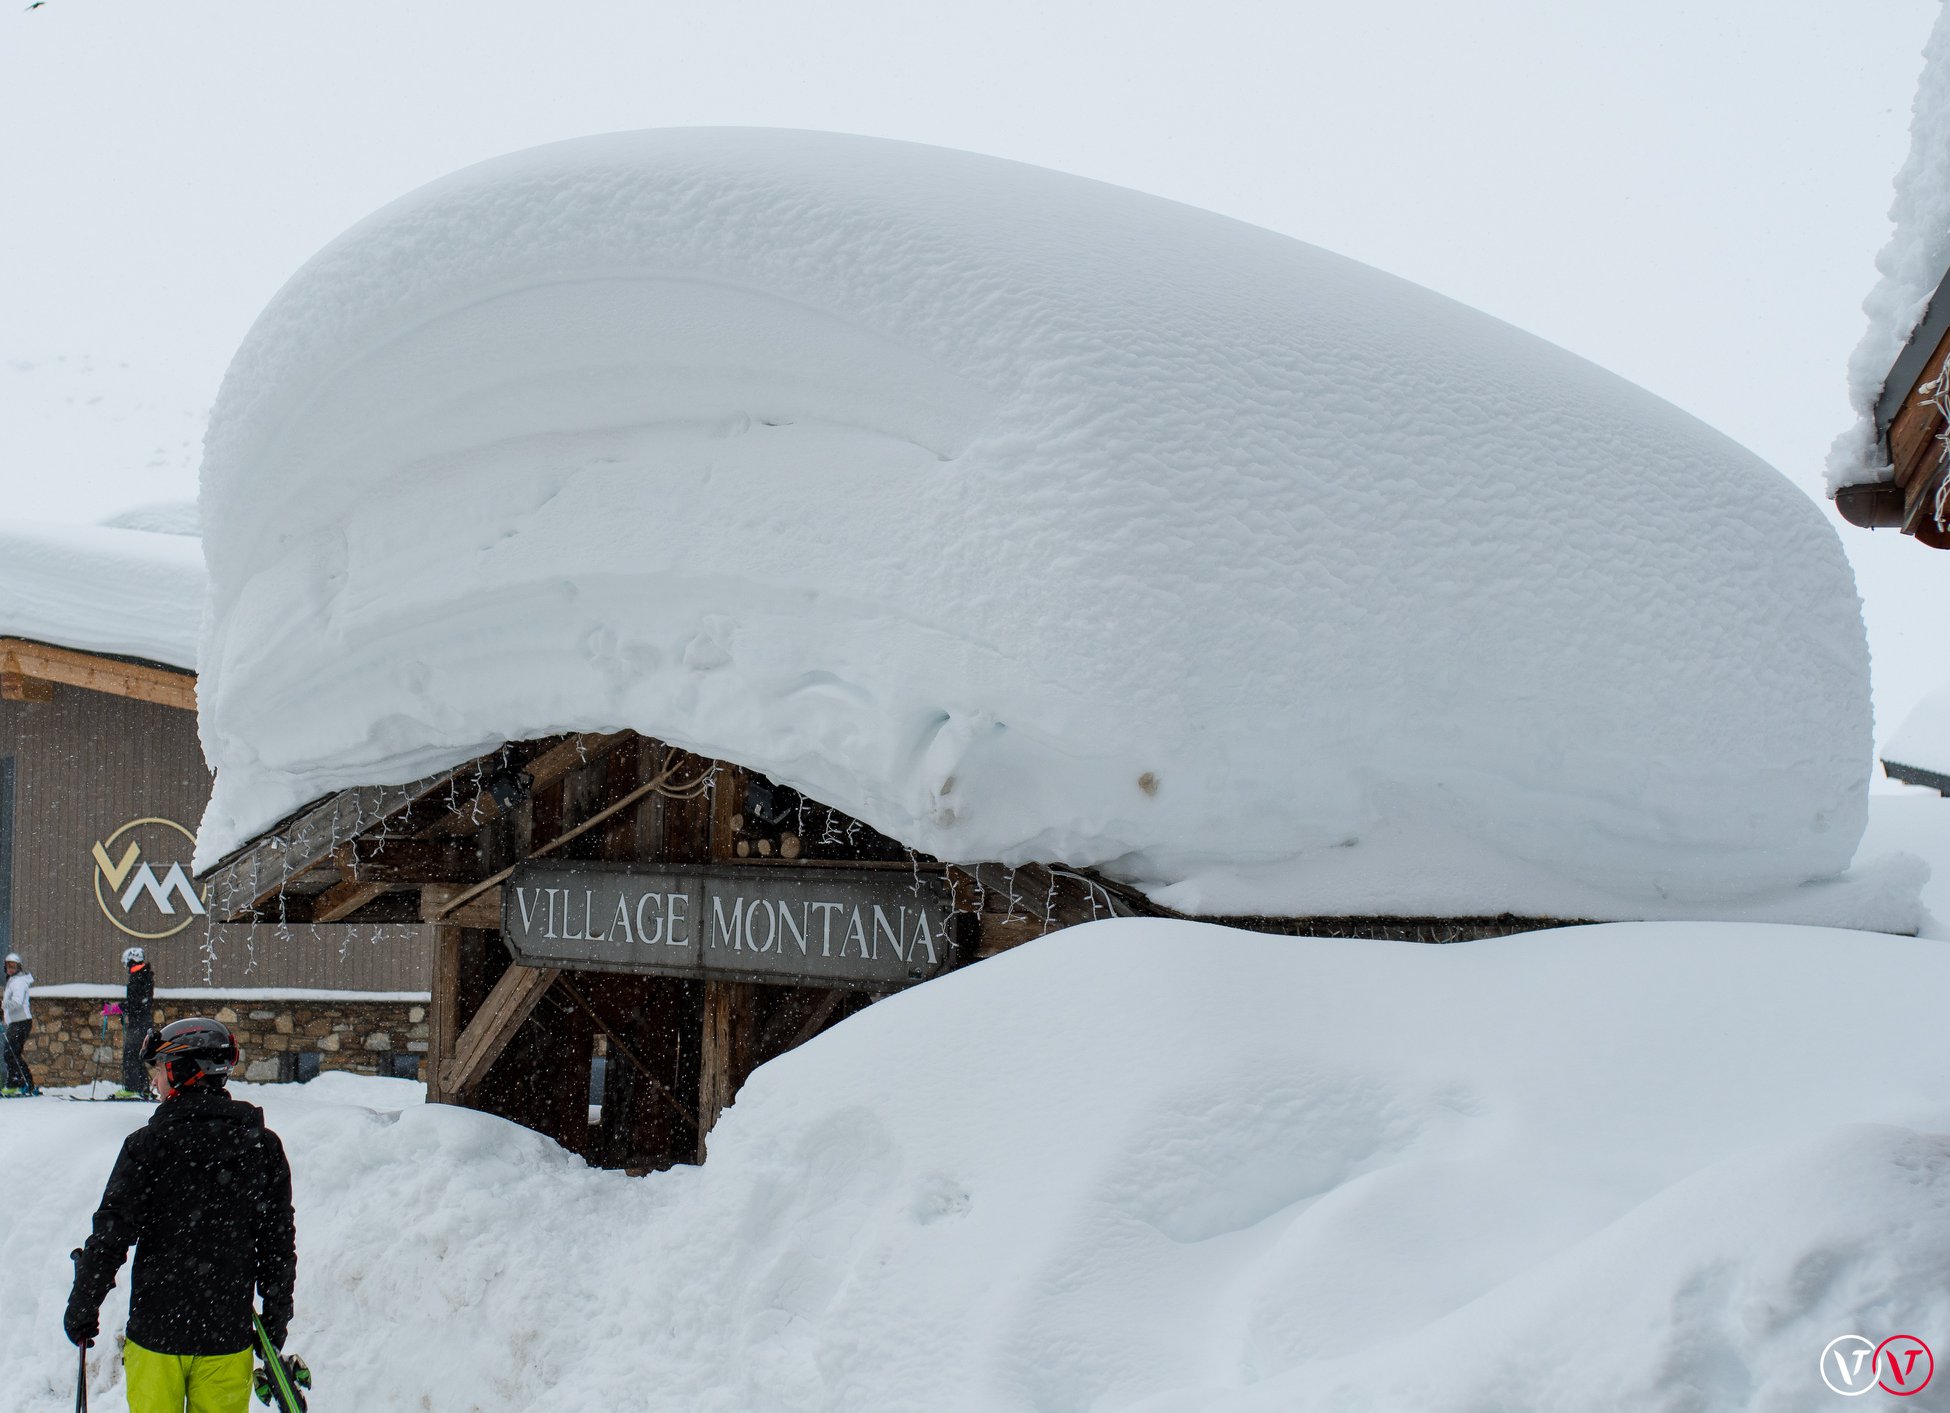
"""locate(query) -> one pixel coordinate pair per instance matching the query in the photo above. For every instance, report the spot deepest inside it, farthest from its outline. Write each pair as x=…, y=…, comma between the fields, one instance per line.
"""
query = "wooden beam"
x=443, y=1030
x=343, y=899
x=512, y=1000
x=159, y=686
x=579, y=750
x=408, y=861
x=816, y=1019
x=482, y=910
x=296, y=845
x=566, y=836
x=727, y=1053
x=19, y=687
x=479, y=808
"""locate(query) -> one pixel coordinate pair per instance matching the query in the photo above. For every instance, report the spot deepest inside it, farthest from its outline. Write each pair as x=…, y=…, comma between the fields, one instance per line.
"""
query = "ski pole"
x=81, y=1353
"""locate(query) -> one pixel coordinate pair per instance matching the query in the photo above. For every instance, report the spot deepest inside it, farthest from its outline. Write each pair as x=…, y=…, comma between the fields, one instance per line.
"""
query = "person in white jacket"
x=18, y=1015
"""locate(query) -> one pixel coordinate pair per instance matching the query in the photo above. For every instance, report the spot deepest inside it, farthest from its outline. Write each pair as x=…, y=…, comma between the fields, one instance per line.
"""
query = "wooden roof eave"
x=1911, y=432
x=1918, y=356
x=29, y=670
x=335, y=847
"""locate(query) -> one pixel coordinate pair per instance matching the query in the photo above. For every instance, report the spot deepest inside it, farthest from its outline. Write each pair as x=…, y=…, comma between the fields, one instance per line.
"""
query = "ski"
x=283, y=1376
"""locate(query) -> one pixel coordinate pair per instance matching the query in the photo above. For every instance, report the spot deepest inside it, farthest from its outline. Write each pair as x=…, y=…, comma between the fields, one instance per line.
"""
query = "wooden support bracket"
x=512, y=1000
x=19, y=687
x=482, y=909
x=341, y=900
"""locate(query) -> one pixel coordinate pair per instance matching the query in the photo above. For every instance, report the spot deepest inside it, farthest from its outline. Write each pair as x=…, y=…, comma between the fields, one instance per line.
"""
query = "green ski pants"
x=187, y=1383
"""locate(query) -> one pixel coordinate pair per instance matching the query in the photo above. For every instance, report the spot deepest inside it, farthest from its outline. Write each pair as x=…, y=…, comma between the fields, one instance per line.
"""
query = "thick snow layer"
x=99, y=588
x=1632, y=1168
x=1025, y=518
x=1911, y=265
x=1923, y=740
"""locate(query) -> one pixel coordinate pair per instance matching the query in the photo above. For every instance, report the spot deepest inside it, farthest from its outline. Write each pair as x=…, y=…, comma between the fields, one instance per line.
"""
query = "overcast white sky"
x=1689, y=192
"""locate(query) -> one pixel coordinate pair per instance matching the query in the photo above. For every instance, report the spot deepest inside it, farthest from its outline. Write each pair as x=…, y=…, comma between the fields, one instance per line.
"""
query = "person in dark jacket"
x=203, y=1193
x=138, y=1011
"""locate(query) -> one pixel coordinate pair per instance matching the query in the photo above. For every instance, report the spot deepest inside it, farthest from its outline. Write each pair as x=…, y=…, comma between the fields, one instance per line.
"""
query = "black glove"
x=276, y=1329
x=82, y=1324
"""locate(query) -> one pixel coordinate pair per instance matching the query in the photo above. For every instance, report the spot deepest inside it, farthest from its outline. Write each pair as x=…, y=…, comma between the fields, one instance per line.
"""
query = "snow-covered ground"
x=1150, y=1166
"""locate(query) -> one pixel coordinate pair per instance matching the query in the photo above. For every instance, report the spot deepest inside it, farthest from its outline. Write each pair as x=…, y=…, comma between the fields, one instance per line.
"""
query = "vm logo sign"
x=132, y=893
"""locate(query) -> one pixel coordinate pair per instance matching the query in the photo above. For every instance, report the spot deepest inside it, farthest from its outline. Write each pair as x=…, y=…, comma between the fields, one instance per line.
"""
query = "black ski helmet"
x=191, y=1050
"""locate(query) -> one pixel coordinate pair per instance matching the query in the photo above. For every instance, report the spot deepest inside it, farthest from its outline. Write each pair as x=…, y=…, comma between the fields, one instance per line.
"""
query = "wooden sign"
x=807, y=926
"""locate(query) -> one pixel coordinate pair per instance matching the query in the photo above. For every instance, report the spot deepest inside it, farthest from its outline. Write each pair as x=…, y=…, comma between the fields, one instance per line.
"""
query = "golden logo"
x=130, y=878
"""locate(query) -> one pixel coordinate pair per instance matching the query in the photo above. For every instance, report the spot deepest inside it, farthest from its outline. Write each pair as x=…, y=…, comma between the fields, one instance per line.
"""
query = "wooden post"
x=444, y=1020
x=727, y=1053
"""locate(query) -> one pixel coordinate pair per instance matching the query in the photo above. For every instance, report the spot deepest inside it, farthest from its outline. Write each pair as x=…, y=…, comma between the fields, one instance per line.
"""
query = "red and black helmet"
x=189, y=1050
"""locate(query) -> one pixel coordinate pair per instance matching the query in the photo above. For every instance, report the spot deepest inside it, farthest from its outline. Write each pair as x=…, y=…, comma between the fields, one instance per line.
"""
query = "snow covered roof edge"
x=103, y=589
x=1913, y=264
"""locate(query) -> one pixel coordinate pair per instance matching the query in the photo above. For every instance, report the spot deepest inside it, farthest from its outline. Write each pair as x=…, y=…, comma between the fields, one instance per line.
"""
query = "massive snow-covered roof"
x=1025, y=518
x=103, y=588
x=1914, y=261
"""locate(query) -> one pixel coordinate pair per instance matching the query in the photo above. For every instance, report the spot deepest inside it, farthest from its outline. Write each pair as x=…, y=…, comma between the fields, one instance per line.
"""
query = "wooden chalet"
x=608, y=905
x=1911, y=419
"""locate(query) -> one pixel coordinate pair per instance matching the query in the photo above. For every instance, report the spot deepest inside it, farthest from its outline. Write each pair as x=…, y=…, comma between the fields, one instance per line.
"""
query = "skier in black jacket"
x=138, y=1007
x=203, y=1193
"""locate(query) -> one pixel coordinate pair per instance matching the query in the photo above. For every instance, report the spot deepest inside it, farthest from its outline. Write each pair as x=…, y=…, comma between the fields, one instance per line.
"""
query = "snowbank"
x=164, y=517
x=1646, y=1167
x=1916, y=823
x=103, y=588
x=1912, y=264
x=1025, y=518
x=1923, y=740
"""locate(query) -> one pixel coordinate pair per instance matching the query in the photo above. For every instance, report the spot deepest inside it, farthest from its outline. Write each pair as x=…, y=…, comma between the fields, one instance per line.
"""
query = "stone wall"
x=280, y=1040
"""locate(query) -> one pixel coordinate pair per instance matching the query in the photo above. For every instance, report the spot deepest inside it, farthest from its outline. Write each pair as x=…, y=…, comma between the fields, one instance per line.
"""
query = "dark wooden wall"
x=86, y=763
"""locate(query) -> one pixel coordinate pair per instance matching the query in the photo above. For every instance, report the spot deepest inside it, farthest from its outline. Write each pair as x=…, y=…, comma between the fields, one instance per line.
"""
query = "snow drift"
x=1025, y=518
x=134, y=592
x=1644, y=1168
